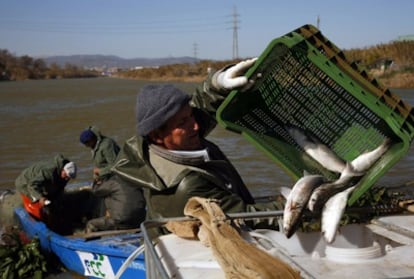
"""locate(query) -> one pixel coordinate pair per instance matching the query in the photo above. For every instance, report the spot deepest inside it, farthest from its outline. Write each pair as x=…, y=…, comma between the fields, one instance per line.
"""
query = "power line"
x=235, y=36
x=166, y=30
x=195, y=46
x=155, y=26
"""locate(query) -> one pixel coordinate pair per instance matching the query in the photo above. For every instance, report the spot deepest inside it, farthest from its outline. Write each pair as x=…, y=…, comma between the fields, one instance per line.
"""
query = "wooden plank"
x=94, y=235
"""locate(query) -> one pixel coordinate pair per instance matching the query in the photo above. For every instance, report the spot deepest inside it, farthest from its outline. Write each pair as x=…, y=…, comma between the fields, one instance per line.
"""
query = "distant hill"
x=109, y=61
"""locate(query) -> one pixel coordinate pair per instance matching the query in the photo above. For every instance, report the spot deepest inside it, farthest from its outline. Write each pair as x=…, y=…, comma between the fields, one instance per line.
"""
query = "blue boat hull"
x=97, y=258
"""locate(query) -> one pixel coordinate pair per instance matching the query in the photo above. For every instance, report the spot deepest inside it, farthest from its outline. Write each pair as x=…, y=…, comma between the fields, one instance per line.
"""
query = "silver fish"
x=317, y=150
x=322, y=193
x=297, y=201
x=332, y=213
x=364, y=161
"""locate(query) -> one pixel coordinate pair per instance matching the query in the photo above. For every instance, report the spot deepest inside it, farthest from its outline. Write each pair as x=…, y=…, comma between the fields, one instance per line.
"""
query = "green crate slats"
x=359, y=74
x=305, y=81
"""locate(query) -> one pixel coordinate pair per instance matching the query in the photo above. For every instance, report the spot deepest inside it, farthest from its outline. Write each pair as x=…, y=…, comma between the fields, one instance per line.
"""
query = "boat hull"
x=95, y=258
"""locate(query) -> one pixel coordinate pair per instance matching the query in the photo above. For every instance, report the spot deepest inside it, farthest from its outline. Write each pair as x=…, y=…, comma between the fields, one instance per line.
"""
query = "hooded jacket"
x=169, y=178
x=104, y=154
x=42, y=179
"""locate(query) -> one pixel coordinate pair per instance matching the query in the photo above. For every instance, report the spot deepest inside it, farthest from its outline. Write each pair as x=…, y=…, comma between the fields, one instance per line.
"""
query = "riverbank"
x=396, y=80
x=401, y=80
x=196, y=73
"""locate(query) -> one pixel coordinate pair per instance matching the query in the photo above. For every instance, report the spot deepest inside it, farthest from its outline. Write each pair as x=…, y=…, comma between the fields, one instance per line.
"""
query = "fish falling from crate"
x=316, y=149
x=297, y=200
x=328, y=159
x=316, y=194
x=332, y=213
x=334, y=207
x=356, y=167
x=326, y=190
x=363, y=162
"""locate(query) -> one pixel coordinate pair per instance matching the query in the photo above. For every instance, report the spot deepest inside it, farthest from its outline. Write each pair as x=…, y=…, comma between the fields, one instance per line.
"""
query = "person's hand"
x=96, y=172
x=44, y=202
x=233, y=77
x=96, y=183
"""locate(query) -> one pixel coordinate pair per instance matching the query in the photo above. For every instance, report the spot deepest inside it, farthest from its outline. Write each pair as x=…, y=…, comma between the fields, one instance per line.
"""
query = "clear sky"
x=201, y=28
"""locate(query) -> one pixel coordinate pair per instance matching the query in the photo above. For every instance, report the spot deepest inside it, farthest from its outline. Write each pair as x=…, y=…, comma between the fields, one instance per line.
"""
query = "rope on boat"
x=237, y=258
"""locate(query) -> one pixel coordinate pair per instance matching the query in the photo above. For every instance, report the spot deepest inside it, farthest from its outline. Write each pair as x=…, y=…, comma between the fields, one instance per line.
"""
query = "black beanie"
x=156, y=104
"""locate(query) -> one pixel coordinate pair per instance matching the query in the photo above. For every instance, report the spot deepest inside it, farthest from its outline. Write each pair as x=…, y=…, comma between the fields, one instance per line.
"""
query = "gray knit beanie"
x=156, y=104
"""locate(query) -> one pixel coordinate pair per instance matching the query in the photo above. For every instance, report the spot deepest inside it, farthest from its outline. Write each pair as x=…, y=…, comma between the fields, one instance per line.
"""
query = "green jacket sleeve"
x=206, y=99
x=35, y=185
x=108, y=154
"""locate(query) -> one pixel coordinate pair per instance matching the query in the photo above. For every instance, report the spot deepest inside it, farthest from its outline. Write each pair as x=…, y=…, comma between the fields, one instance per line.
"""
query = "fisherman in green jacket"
x=104, y=152
x=171, y=159
x=122, y=205
x=42, y=184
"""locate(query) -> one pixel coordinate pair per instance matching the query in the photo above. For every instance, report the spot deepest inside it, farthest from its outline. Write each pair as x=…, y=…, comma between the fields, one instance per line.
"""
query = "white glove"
x=233, y=77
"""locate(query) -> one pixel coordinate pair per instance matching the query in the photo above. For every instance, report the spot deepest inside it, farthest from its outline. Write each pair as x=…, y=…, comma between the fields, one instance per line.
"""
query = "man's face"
x=91, y=143
x=64, y=175
x=180, y=132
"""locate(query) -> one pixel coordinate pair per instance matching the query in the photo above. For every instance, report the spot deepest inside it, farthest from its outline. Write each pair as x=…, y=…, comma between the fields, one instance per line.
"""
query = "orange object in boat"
x=34, y=208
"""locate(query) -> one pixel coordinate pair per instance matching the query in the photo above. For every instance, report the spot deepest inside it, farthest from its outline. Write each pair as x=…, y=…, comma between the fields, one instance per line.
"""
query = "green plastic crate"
x=299, y=81
x=359, y=75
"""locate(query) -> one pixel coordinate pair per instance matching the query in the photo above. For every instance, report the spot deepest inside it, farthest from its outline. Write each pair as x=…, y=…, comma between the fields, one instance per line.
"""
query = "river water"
x=41, y=118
